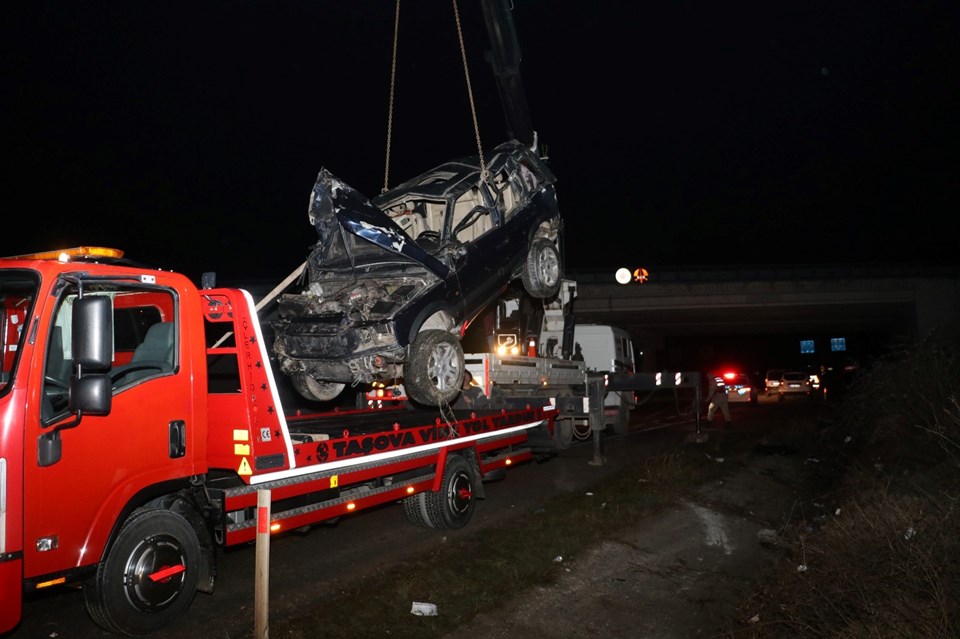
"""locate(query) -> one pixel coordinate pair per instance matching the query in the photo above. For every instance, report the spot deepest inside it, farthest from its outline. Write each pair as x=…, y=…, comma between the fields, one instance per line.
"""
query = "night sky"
x=684, y=133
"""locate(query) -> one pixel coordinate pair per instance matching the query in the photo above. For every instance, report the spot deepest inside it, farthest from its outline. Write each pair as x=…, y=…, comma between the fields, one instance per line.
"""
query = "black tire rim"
x=154, y=574
x=460, y=495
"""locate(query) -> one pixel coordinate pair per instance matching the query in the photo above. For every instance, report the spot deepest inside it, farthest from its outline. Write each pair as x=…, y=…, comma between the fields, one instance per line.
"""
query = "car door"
x=475, y=229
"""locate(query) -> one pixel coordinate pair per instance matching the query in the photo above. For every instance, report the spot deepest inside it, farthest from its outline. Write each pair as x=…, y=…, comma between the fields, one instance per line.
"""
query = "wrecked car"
x=393, y=282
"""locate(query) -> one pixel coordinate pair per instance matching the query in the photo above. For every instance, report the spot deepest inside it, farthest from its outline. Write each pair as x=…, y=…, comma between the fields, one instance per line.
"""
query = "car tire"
x=541, y=273
x=433, y=371
x=316, y=390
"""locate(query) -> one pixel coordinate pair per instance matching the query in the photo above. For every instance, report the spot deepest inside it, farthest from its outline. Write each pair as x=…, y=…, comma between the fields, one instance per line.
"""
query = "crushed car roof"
x=333, y=203
x=456, y=177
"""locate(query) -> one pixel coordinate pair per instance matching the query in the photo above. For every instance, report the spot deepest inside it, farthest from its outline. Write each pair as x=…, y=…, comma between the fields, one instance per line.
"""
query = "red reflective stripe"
x=166, y=573
x=263, y=520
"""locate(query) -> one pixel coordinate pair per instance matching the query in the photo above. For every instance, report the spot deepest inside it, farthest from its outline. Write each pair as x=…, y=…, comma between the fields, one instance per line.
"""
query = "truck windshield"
x=18, y=292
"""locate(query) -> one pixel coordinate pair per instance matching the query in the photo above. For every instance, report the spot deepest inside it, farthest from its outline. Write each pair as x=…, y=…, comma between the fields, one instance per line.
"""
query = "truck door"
x=108, y=463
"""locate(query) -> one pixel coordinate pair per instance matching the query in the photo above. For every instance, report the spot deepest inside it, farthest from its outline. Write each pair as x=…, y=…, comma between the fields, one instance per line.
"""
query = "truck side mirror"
x=93, y=333
x=91, y=394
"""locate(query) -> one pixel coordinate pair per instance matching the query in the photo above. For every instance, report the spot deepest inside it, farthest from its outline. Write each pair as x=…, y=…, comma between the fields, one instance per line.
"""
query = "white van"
x=608, y=349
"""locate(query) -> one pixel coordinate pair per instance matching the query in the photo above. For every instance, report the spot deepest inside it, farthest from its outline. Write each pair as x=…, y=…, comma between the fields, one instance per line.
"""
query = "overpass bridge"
x=757, y=316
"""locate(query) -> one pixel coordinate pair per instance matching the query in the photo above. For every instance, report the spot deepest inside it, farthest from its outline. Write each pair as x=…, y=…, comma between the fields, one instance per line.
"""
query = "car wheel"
x=433, y=372
x=541, y=272
x=316, y=390
x=149, y=577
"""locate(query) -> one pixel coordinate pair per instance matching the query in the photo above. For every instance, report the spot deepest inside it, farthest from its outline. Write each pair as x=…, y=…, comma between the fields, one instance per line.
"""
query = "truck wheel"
x=563, y=433
x=316, y=390
x=451, y=506
x=149, y=577
x=415, y=509
x=433, y=372
x=541, y=272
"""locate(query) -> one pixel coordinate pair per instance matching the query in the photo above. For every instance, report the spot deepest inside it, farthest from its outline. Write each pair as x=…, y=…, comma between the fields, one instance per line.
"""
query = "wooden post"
x=262, y=583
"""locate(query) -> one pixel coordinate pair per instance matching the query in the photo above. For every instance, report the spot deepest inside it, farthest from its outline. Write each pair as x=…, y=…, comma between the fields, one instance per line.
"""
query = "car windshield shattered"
x=353, y=232
x=393, y=282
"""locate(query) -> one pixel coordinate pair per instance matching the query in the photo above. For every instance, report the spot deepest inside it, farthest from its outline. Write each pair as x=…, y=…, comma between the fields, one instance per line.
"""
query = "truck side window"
x=56, y=376
x=130, y=325
x=144, y=341
x=155, y=355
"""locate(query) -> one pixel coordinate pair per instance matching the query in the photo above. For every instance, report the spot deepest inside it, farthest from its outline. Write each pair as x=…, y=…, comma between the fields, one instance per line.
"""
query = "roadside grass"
x=878, y=558
x=492, y=566
x=885, y=561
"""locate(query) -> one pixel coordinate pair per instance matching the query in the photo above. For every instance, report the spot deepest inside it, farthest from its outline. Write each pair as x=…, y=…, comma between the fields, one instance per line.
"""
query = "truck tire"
x=541, y=274
x=450, y=507
x=433, y=372
x=316, y=390
x=149, y=576
x=414, y=507
x=563, y=433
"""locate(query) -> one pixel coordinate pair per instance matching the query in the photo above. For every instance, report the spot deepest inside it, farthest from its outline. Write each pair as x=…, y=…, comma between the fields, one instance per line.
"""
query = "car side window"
x=531, y=178
x=471, y=216
x=508, y=192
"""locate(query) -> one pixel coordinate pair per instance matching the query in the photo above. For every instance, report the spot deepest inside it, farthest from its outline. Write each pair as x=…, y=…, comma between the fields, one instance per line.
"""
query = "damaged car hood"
x=335, y=207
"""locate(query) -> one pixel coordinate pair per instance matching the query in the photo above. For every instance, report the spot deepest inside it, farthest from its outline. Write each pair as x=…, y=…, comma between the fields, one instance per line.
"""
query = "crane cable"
x=393, y=78
x=484, y=173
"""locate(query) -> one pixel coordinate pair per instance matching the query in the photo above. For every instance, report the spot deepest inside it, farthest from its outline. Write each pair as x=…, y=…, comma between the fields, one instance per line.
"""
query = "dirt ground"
x=681, y=574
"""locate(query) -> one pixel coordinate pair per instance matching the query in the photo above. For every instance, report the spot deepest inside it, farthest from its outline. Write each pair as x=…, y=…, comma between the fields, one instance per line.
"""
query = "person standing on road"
x=717, y=398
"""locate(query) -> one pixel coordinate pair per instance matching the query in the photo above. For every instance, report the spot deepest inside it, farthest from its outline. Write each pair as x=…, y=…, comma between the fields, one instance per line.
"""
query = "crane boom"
x=505, y=59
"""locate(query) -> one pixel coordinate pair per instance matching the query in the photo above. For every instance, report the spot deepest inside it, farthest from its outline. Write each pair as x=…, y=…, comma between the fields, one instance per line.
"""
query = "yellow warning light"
x=508, y=462
x=64, y=255
x=52, y=582
x=409, y=490
x=275, y=527
x=351, y=506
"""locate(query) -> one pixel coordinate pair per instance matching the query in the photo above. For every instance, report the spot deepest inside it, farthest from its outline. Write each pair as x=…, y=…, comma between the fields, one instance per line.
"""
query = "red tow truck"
x=140, y=416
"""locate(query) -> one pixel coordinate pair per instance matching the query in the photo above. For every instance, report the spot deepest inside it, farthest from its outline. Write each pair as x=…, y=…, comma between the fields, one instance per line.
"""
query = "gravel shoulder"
x=680, y=574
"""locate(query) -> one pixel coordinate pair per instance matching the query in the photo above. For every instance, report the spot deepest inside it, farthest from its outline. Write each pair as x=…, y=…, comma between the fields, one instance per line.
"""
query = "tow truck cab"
x=101, y=372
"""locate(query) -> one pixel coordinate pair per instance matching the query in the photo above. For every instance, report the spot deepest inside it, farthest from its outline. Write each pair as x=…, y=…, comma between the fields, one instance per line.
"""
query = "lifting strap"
x=484, y=173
